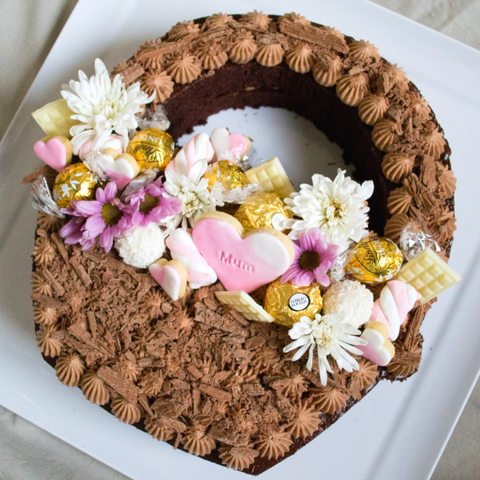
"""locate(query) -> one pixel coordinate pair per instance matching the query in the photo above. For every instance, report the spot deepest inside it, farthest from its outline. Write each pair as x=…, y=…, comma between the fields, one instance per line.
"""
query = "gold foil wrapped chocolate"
x=75, y=182
x=287, y=303
x=229, y=174
x=152, y=149
x=262, y=209
x=374, y=260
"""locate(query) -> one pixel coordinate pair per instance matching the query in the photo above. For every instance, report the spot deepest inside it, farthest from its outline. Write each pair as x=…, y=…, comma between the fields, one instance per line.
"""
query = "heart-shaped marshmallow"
x=171, y=276
x=242, y=261
x=229, y=146
x=379, y=349
x=54, y=151
x=113, y=141
x=121, y=169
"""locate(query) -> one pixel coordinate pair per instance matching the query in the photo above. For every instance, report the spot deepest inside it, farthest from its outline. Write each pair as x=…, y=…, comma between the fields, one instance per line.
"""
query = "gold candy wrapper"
x=287, y=302
x=228, y=173
x=374, y=260
x=262, y=209
x=152, y=149
x=75, y=182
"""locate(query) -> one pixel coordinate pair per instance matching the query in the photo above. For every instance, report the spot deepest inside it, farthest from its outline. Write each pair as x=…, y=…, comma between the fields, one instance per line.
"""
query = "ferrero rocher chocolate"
x=229, y=174
x=374, y=260
x=262, y=209
x=287, y=303
x=152, y=149
x=75, y=182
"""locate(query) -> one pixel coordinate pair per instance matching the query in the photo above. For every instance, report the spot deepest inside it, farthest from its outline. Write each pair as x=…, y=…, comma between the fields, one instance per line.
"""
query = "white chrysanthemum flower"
x=192, y=191
x=351, y=298
x=102, y=106
x=336, y=207
x=332, y=336
x=141, y=246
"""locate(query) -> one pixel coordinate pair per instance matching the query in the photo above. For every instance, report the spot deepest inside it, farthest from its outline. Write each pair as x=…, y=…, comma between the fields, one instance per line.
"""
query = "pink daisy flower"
x=313, y=258
x=72, y=231
x=149, y=205
x=105, y=217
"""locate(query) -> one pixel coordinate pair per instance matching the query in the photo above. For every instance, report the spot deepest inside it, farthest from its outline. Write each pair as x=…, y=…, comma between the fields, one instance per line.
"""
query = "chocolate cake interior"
x=252, y=85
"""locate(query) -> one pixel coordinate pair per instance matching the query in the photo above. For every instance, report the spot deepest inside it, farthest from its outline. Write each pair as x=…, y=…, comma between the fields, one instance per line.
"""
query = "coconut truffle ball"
x=351, y=298
x=141, y=246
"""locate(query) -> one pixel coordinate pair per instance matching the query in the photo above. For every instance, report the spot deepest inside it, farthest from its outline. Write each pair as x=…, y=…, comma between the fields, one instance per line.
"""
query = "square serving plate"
x=399, y=430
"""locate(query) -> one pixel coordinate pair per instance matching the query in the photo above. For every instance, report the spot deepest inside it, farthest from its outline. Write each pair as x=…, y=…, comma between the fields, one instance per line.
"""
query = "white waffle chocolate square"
x=428, y=274
x=243, y=303
x=272, y=177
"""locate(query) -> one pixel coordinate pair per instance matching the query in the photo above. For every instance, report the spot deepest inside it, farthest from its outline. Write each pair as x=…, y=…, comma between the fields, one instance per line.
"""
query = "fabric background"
x=29, y=29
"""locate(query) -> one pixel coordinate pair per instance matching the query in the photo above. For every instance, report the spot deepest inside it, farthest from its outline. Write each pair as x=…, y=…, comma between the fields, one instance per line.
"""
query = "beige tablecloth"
x=29, y=29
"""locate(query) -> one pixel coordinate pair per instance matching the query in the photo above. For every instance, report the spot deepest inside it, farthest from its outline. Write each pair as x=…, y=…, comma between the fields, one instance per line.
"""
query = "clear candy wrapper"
x=237, y=195
x=413, y=241
x=157, y=119
x=251, y=160
x=140, y=181
x=42, y=199
x=227, y=173
x=337, y=273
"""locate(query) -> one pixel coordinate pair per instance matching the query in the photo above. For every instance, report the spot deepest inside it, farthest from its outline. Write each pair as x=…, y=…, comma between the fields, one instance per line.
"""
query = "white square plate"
x=399, y=430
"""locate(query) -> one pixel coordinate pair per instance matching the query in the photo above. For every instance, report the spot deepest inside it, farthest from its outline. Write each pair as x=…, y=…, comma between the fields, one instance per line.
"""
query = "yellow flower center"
x=309, y=260
x=111, y=214
x=148, y=204
x=323, y=334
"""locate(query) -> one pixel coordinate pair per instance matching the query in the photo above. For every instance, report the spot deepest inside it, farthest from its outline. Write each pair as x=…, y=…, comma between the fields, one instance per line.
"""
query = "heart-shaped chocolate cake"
x=197, y=294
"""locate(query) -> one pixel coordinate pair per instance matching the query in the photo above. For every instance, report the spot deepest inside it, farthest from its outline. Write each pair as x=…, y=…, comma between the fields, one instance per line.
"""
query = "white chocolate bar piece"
x=243, y=303
x=428, y=274
x=272, y=177
x=54, y=118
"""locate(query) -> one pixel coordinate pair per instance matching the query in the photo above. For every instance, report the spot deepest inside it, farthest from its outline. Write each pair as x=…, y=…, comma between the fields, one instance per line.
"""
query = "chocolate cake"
x=193, y=372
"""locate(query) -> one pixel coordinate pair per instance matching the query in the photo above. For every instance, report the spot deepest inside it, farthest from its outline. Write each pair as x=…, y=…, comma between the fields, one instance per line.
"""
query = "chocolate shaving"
x=49, y=302
x=120, y=384
x=82, y=274
x=215, y=393
x=221, y=432
x=212, y=319
x=315, y=35
x=414, y=323
x=143, y=401
x=60, y=247
x=50, y=279
x=132, y=73
x=92, y=323
x=81, y=334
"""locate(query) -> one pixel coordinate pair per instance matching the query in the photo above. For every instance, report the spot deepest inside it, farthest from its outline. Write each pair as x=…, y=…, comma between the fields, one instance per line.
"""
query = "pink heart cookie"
x=242, y=261
x=171, y=276
x=229, y=146
x=54, y=151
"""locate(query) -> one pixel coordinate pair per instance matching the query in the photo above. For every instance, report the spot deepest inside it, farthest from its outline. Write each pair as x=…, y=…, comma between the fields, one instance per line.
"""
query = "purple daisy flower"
x=72, y=231
x=313, y=258
x=105, y=218
x=150, y=205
